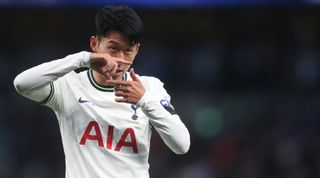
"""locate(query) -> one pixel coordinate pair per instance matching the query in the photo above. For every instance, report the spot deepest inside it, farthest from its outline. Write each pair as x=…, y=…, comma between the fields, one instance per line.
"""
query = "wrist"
x=85, y=59
x=143, y=100
x=95, y=59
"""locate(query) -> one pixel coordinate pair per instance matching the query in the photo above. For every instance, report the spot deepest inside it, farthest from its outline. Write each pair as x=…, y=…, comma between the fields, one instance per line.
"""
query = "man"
x=105, y=114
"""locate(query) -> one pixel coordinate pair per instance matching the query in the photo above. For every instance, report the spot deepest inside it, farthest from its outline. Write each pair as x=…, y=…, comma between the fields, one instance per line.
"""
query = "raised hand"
x=128, y=91
x=105, y=64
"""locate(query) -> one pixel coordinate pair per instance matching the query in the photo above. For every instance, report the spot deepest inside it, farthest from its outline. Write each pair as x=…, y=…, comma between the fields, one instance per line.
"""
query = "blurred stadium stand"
x=154, y=3
x=244, y=75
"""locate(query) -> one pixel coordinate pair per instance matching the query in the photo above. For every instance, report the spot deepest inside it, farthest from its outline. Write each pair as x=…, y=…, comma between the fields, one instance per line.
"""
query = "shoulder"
x=76, y=74
x=72, y=78
x=151, y=83
x=150, y=80
x=154, y=85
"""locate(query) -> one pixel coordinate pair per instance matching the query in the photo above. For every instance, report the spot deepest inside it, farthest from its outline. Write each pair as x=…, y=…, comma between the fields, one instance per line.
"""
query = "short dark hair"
x=119, y=18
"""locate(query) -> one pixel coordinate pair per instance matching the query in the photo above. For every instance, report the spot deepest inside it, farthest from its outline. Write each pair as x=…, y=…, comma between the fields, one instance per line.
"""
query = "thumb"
x=133, y=75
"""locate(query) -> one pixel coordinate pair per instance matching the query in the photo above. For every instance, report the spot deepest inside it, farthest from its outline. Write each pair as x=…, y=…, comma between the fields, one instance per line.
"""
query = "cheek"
x=131, y=58
x=102, y=50
x=125, y=67
x=102, y=47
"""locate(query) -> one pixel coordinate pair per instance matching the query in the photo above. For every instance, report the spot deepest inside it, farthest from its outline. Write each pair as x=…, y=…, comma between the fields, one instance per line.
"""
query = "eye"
x=113, y=48
x=128, y=51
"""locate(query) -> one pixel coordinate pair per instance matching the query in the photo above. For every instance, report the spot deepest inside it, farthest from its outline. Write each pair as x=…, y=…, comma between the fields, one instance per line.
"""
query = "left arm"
x=158, y=108
x=167, y=123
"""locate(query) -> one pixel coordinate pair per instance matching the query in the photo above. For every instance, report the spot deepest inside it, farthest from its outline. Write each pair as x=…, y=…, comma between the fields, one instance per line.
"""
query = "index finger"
x=117, y=82
x=122, y=61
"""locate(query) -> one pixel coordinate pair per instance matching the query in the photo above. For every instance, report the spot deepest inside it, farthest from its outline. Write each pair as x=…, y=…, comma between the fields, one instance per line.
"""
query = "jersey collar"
x=96, y=85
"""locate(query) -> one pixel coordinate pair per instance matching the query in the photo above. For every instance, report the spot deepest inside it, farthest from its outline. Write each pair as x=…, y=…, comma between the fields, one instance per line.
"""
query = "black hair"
x=119, y=18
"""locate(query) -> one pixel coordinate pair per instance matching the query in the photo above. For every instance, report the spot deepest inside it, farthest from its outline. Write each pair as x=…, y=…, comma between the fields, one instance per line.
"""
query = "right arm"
x=36, y=82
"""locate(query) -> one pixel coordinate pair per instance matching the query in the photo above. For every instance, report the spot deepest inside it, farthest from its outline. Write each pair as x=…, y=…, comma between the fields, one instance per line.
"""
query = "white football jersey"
x=103, y=138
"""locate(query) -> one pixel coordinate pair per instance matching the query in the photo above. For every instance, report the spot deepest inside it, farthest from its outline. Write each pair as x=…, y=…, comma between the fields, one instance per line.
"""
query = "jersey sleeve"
x=40, y=83
x=155, y=103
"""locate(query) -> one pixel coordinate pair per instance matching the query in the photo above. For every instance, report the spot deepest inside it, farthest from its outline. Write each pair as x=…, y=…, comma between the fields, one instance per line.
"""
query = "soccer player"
x=106, y=113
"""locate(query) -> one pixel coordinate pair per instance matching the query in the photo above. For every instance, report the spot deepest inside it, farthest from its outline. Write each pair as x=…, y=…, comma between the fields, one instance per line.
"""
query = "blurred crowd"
x=245, y=81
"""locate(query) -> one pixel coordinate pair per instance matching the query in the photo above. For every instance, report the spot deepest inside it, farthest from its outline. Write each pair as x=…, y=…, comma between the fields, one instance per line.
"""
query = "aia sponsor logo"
x=127, y=139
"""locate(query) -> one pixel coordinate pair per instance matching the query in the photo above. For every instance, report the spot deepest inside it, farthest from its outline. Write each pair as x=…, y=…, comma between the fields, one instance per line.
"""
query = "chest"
x=97, y=120
x=84, y=106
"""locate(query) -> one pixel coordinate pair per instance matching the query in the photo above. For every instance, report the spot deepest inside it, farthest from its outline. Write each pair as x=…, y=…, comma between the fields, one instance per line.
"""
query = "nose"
x=120, y=55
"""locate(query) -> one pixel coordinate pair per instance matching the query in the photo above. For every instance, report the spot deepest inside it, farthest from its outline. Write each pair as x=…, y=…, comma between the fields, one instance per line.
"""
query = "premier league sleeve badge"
x=167, y=105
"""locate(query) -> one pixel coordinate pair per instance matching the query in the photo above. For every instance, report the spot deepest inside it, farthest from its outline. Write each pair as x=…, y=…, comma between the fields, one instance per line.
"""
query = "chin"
x=118, y=76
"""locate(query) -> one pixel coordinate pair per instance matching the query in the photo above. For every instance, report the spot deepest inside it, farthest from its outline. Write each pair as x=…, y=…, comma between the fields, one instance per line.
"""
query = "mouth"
x=119, y=71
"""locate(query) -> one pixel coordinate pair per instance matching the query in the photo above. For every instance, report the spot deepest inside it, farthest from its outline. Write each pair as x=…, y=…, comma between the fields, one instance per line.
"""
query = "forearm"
x=39, y=77
x=169, y=125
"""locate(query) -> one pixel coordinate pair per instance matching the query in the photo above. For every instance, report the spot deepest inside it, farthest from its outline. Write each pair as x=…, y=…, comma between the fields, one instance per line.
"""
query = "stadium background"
x=243, y=74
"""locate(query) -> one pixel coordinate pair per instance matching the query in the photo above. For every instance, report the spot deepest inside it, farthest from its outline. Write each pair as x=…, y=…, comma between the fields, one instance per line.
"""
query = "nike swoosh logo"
x=82, y=101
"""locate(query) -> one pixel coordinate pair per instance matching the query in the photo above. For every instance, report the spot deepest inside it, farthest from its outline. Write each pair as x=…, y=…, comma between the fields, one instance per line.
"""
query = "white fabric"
x=77, y=104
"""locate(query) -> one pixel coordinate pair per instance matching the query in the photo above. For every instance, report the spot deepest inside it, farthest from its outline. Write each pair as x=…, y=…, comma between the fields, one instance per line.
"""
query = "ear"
x=137, y=47
x=94, y=43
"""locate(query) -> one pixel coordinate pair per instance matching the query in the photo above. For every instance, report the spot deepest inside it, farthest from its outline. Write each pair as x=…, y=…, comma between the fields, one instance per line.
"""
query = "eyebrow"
x=117, y=43
x=111, y=41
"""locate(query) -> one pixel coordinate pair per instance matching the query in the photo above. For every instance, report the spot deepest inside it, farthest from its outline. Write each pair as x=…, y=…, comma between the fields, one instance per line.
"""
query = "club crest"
x=134, y=116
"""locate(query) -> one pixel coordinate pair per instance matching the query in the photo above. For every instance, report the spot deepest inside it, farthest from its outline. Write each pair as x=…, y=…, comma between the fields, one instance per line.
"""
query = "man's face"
x=116, y=44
